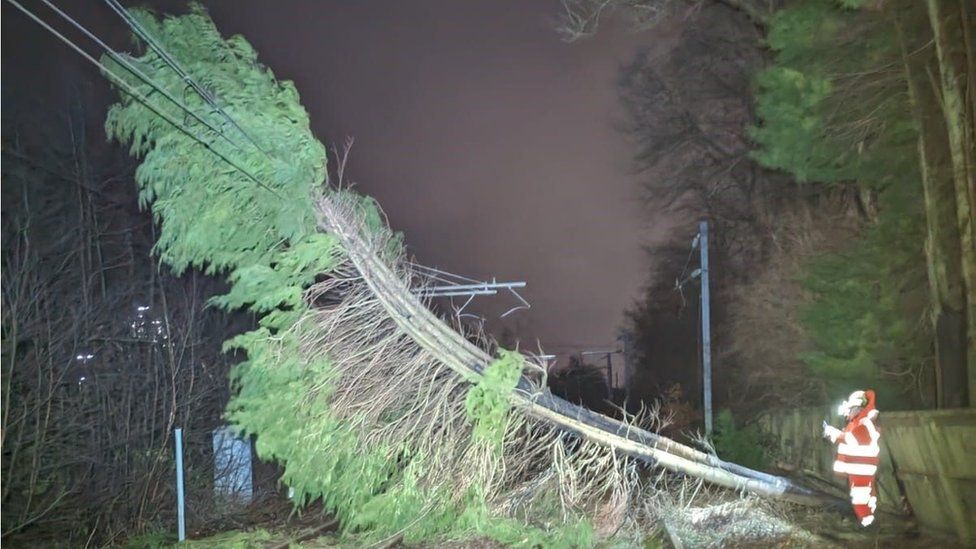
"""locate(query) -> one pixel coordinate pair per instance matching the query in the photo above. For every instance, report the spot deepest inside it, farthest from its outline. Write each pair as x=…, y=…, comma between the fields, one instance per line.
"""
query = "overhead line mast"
x=453, y=285
x=700, y=243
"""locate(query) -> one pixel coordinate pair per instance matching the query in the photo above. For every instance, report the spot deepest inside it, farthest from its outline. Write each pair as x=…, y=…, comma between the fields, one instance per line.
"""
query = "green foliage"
x=488, y=401
x=151, y=540
x=830, y=110
x=424, y=516
x=233, y=540
x=833, y=111
x=792, y=135
x=869, y=302
x=370, y=493
x=278, y=284
x=216, y=217
x=655, y=540
x=225, y=540
x=212, y=215
x=742, y=445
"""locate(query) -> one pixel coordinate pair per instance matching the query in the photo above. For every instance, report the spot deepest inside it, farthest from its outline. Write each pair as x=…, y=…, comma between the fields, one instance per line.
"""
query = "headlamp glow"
x=843, y=409
x=856, y=399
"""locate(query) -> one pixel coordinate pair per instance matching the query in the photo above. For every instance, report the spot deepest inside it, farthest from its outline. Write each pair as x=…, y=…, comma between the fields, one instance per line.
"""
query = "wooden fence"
x=929, y=457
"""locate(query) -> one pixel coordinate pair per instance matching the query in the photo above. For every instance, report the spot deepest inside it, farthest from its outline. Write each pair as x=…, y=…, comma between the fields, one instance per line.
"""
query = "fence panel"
x=932, y=453
x=935, y=458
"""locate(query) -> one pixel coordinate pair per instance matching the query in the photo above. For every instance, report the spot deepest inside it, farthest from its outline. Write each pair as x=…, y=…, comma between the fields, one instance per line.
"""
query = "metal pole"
x=706, y=328
x=626, y=347
x=180, y=503
x=463, y=293
x=480, y=286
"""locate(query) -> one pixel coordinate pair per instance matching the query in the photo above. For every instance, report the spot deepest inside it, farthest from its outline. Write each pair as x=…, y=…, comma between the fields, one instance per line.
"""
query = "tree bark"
x=950, y=27
x=942, y=244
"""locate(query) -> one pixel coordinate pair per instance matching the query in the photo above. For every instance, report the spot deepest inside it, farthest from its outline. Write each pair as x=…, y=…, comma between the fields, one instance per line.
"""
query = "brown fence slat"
x=935, y=452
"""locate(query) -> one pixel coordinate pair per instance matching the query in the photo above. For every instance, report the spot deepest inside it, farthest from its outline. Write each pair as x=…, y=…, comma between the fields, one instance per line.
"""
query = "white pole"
x=180, y=503
x=706, y=328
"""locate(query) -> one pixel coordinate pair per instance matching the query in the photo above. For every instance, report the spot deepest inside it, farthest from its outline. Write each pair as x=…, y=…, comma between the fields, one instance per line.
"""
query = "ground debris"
x=741, y=523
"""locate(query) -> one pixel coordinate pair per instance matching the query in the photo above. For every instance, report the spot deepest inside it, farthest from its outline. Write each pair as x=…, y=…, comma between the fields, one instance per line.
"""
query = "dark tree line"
x=104, y=353
x=689, y=116
x=829, y=143
x=584, y=384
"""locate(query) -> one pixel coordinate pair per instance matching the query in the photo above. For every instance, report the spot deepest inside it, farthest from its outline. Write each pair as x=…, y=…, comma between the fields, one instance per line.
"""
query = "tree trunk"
x=950, y=28
x=460, y=355
x=942, y=244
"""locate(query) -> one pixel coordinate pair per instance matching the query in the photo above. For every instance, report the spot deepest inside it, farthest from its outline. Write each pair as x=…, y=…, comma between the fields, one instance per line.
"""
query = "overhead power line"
x=121, y=59
x=128, y=88
x=681, y=280
x=150, y=41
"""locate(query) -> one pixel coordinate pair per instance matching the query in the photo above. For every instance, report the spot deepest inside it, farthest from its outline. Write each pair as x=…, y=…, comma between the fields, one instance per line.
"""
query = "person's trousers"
x=864, y=497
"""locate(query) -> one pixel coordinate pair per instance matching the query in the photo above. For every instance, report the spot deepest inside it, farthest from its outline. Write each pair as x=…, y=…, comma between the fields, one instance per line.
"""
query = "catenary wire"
x=204, y=94
x=137, y=72
x=142, y=98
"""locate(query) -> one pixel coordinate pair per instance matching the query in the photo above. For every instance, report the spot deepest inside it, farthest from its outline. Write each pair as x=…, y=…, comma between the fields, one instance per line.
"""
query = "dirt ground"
x=743, y=523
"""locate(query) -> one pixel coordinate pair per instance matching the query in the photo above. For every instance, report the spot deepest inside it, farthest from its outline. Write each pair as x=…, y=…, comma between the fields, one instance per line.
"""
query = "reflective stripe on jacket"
x=858, y=449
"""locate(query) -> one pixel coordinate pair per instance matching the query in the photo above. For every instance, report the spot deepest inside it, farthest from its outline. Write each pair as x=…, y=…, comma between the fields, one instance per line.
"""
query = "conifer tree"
x=390, y=440
x=833, y=111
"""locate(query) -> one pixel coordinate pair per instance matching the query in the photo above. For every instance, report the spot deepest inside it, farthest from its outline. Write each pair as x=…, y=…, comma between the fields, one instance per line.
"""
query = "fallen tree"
x=399, y=423
x=449, y=347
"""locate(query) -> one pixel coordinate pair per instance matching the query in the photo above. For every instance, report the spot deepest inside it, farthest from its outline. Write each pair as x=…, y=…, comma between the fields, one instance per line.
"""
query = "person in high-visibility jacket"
x=858, y=449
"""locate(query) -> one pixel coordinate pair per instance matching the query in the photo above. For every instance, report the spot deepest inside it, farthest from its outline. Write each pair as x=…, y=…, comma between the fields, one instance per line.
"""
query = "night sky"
x=490, y=143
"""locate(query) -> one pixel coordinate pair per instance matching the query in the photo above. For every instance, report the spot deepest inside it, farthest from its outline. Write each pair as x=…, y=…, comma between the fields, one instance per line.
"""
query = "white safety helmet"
x=857, y=399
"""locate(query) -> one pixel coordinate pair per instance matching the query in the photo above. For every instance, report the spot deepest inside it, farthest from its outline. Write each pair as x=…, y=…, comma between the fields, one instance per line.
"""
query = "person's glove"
x=831, y=432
